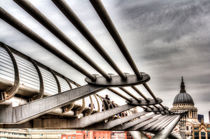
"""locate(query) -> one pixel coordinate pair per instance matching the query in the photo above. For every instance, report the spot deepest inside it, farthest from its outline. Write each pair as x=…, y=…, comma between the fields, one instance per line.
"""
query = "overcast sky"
x=167, y=39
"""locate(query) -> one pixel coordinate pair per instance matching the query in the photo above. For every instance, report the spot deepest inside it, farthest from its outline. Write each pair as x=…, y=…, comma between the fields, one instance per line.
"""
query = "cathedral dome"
x=183, y=97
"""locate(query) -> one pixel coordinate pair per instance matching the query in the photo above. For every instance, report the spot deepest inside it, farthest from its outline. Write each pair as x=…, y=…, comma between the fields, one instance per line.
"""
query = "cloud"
x=165, y=20
x=172, y=40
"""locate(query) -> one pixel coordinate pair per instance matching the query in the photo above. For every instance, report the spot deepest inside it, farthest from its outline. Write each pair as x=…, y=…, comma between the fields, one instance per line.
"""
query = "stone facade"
x=201, y=131
x=184, y=102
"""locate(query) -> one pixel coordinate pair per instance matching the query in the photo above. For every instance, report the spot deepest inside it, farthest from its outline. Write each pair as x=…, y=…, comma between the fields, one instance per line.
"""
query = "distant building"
x=61, y=134
x=209, y=116
x=184, y=102
x=200, y=117
x=201, y=131
x=98, y=135
x=14, y=134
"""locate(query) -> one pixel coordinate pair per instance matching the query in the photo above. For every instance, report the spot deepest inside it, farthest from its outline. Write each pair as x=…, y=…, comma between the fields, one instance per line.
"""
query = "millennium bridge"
x=32, y=95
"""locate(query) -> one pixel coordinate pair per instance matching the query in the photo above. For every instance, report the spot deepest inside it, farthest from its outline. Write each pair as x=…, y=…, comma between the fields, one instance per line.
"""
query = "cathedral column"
x=206, y=134
x=195, y=115
x=199, y=134
x=192, y=114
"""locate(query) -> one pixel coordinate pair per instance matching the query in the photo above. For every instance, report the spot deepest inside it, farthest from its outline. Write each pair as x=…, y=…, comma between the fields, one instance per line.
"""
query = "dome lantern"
x=182, y=86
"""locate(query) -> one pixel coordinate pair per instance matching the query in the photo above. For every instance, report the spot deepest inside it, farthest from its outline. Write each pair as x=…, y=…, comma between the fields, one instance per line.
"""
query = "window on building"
x=196, y=135
x=208, y=134
x=203, y=135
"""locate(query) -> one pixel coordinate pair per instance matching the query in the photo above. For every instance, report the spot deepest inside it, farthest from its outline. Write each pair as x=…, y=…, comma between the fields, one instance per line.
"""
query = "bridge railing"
x=36, y=81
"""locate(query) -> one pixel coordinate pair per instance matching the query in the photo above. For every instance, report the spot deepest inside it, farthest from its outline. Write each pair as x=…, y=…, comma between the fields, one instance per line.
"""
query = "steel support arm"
x=98, y=117
x=167, y=130
x=133, y=123
x=116, y=122
x=150, y=125
x=163, y=124
x=39, y=107
x=138, y=126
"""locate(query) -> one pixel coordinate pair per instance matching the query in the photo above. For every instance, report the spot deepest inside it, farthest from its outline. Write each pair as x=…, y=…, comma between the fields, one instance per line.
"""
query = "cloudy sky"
x=167, y=39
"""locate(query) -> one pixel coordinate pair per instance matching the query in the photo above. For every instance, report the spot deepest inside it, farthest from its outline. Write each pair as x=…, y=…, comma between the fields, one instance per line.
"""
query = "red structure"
x=96, y=135
x=101, y=134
